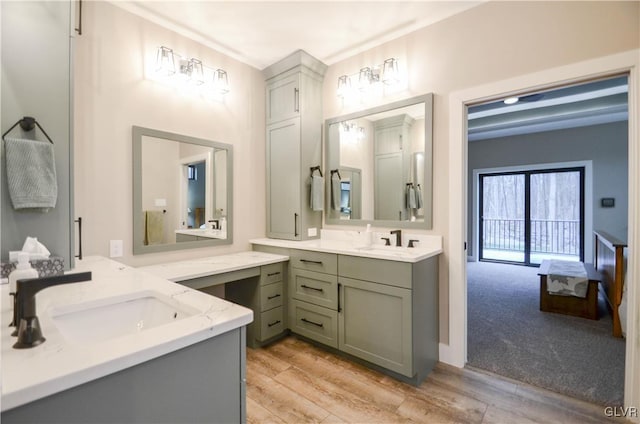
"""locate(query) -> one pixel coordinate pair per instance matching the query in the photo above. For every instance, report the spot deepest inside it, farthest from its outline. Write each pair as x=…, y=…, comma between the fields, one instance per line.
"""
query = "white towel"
x=317, y=193
x=336, y=191
x=31, y=173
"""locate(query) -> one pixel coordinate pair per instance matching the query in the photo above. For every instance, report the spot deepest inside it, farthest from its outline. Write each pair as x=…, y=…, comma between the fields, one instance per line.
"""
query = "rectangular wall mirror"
x=380, y=164
x=182, y=191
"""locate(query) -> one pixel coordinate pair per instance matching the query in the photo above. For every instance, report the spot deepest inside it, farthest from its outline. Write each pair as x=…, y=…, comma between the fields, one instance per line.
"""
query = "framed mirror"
x=380, y=165
x=182, y=191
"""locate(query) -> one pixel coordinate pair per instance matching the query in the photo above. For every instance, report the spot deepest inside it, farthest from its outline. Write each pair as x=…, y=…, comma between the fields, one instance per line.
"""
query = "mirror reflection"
x=380, y=165
x=181, y=191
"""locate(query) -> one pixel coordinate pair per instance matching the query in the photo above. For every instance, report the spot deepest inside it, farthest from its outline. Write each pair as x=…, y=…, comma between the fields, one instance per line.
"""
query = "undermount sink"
x=114, y=317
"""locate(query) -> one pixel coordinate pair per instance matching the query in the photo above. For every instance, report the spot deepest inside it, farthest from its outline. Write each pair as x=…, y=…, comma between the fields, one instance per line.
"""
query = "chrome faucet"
x=398, y=234
x=29, y=332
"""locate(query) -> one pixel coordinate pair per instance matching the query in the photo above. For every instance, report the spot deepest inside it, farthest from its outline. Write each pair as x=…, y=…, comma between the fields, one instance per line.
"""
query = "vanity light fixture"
x=390, y=72
x=344, y=85
x=368, y=77
x=220, y=81
x=190, y=70
x=165, y=62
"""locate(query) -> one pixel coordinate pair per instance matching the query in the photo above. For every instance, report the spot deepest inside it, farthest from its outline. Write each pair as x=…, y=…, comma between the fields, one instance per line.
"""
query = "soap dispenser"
x=368, y=236
x=23, y=271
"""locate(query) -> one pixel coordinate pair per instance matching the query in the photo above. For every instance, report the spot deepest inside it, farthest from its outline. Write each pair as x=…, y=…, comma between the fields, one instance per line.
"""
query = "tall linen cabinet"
x=294, y=145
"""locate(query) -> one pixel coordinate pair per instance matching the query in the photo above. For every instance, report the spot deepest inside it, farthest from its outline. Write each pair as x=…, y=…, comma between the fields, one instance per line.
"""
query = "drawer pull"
x=271, y=324
x=311, y=262
x=304, y=286
x=273, y=273
x=312, y=323
x=273, y=297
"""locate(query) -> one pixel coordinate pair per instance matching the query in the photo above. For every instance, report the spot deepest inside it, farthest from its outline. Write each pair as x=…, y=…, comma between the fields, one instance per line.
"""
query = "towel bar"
x=316, y=168
x=28, y=123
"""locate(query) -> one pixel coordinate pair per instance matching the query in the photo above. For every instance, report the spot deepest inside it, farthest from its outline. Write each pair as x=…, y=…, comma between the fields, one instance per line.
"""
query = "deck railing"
x=547, y=236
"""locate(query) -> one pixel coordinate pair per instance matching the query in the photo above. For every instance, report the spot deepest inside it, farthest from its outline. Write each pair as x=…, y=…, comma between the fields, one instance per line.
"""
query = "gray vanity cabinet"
x=265, y=296
x=294, y=144
x=384, y=312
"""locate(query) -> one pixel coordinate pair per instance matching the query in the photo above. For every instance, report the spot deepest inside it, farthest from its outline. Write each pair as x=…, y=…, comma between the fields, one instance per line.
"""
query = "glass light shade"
x=364, y=79
x=344, y=85
x=165, y=62
x=220, y=81
x=361, y=133
x=390, y=73
x=197, y=72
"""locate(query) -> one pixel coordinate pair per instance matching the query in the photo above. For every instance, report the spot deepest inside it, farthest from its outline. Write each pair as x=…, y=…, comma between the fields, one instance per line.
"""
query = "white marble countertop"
x=59, y=364
x=352, y=243
x=204, y=267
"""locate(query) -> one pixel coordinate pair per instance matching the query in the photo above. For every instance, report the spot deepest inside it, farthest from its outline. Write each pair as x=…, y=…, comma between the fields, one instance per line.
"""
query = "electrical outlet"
x=115, y=248
x=312, y=232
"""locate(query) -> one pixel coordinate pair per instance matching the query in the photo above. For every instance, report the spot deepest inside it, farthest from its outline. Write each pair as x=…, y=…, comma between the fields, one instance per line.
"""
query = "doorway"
x=528, y=216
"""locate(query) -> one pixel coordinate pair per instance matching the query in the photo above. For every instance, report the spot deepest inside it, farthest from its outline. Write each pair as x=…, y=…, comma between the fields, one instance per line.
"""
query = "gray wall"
x=605, y=145
x=36, y=57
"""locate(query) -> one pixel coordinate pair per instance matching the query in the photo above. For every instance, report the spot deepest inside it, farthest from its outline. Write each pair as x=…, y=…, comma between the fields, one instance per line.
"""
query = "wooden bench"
x=570, y=305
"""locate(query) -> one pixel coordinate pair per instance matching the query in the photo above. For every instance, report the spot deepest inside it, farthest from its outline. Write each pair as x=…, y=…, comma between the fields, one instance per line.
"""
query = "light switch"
x=115, y=248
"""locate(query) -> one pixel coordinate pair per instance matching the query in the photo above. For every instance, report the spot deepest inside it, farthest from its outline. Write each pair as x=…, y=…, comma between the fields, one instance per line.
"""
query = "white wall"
x=605, y=145
x=491, y=42
x=112, y=95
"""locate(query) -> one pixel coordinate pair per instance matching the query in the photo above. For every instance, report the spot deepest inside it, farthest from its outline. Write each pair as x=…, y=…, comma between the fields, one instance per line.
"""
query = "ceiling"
x=260, y=33
x=596, y=102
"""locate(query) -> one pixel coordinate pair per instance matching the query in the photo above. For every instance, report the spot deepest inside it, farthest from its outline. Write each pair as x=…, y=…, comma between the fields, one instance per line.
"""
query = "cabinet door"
x=283, y=98
x=283, y=180
x=374, y=323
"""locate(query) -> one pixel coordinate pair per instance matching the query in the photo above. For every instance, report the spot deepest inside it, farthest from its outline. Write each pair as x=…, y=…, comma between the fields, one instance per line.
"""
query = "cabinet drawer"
x=314, y=261
x=314, y=287
x=392, y=273
x=271, y=296
x=271, y=323
x=271, y=273
x=314, y=322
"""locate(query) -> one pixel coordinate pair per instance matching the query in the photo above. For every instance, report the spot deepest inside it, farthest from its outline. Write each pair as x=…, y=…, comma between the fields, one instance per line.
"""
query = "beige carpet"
x=510, y=336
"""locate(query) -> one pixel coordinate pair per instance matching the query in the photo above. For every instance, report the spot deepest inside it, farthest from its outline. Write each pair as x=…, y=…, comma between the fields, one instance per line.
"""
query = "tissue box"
x=54, y=265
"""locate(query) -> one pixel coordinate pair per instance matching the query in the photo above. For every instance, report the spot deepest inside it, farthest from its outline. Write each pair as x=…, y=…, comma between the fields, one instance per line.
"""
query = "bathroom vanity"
x=376, y=304
x=127, y=347
x=252, y=279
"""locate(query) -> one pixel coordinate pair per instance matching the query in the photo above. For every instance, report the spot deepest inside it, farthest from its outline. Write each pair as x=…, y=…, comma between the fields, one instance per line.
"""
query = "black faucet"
x=398, y=234
x=29, y=333
x=215, y=224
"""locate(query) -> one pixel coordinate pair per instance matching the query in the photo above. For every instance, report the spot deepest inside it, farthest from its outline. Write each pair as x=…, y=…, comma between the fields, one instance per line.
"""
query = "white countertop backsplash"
x=353, y=243
x=58, y=364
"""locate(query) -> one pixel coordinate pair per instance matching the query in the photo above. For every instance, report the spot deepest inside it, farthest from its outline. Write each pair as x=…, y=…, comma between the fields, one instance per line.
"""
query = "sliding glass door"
x=528, y=216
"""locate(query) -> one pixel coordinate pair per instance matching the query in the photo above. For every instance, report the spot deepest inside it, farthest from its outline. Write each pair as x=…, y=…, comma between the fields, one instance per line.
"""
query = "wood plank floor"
x=292, y=381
